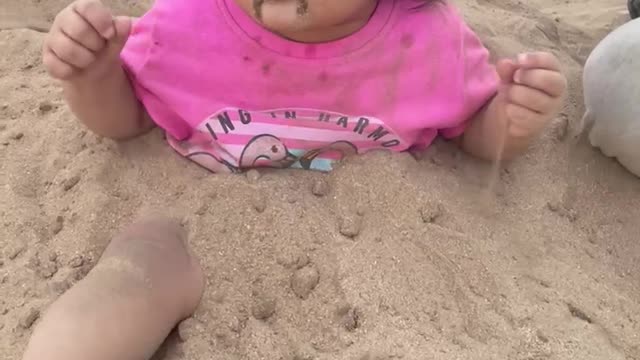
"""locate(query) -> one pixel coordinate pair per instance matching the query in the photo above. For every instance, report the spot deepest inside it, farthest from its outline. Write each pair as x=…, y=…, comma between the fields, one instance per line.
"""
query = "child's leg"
x=144, y=284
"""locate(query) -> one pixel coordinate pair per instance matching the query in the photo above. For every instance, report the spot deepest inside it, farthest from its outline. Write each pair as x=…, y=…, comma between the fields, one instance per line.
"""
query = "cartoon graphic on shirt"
x=232, y=140
x=200, y=149
x=266, y=151
x=211, y=163
x=344, y=148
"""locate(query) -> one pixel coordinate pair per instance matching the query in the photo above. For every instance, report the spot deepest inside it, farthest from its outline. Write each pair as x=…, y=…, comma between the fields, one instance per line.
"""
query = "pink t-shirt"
x=231, y=95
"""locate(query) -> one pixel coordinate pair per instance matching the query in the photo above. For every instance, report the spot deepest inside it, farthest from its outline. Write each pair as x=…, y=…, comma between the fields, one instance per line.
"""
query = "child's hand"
x=531, y=92
x=84, y=37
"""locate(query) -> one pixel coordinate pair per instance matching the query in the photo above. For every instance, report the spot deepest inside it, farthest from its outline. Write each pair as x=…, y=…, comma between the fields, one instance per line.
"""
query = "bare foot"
x=144, y=284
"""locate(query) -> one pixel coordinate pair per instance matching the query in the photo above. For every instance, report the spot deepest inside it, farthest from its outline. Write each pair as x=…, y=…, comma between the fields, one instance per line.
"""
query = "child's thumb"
x=122, y=25
x=506, y=68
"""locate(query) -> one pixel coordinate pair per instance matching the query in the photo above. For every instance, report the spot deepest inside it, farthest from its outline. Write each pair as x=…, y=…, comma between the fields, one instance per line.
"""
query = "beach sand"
x=437, y=267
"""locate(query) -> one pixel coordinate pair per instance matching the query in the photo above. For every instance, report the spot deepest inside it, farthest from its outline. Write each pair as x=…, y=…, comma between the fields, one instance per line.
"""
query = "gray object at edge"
x=611, y=82
x=634, y=8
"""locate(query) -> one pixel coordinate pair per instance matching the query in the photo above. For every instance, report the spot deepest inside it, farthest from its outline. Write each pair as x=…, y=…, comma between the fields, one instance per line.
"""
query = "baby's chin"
x=295, y=20
x=283, y=16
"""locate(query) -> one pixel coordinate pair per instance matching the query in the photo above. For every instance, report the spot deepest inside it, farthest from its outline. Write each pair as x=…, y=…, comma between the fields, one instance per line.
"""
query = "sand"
x=388, y=257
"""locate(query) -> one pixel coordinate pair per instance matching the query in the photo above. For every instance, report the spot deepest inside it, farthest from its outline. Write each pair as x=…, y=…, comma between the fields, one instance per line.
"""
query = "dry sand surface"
x=547, y=268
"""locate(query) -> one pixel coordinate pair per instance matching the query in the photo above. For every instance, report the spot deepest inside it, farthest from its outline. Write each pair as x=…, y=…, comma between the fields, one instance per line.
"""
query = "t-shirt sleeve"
x=478, y=84
x=136, y=55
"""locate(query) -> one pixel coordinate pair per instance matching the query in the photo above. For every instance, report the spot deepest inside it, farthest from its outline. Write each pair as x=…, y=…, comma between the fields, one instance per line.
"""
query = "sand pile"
x=388, y=257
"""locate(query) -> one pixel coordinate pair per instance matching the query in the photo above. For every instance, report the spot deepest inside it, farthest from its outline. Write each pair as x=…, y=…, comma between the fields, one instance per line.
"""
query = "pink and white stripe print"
x=233, y=139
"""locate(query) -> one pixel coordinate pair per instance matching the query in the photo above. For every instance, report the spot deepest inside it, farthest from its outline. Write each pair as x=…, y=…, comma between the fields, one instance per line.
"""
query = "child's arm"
x=107, y=105
x=82, y=49
x=530, y=95
x=485, y=137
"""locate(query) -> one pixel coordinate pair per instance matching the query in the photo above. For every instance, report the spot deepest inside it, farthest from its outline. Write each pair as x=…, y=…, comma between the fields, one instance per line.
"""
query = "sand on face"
x=547, y=270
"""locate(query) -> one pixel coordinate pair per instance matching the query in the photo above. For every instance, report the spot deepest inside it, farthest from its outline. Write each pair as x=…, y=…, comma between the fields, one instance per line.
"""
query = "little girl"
x=237, y=84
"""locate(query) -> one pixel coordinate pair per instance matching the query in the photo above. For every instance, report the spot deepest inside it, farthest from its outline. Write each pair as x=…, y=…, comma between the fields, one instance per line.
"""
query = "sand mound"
x=388, y=257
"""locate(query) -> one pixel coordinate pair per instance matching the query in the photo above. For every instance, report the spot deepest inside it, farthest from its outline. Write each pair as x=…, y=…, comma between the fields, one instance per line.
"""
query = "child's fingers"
x=506, y=69
x=529, y=98
x=70, y=51
x=523, y=121
x=539, y=60
x=78, y=29
x=56, y=67
x=96, y=14
x=123, y=25
x=551, y=82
